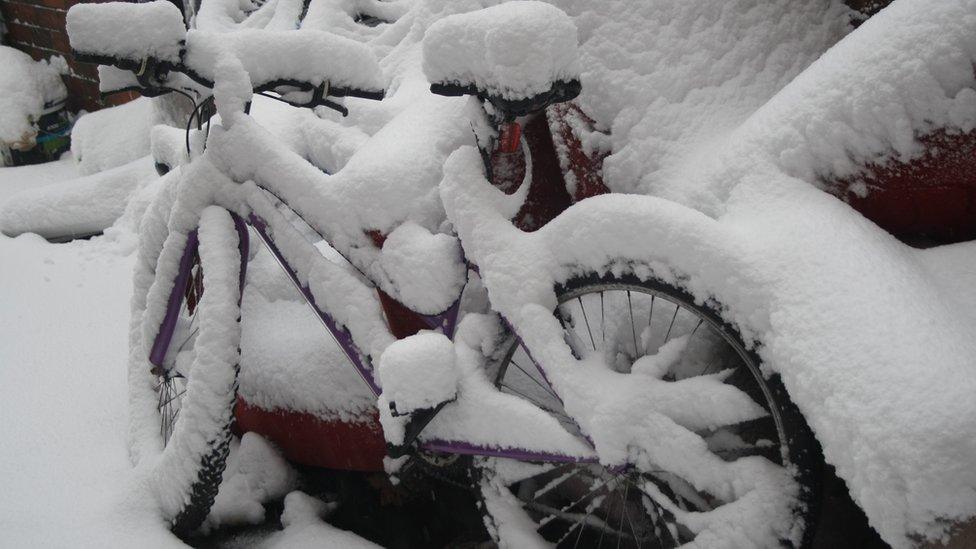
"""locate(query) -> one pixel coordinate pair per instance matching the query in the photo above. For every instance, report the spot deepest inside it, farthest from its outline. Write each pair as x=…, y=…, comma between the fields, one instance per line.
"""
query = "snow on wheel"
x=196, y=369
x=172, y=376
x=734, y=483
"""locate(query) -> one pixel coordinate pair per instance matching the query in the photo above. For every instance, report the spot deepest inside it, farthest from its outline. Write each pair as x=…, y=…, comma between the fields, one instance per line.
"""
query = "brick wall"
x=37, y=28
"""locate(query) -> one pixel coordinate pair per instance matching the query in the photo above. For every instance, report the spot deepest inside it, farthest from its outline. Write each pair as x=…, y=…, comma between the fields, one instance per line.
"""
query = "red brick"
x=21, y=34
x=80, y=88
x=91, y=71
x=49, y=19
x=36, y=53
x=15, y=11
x=41, y=37
x=59, y=41
x=51, y=3
x=89, y=104
x=120, y=98
x=84, y=70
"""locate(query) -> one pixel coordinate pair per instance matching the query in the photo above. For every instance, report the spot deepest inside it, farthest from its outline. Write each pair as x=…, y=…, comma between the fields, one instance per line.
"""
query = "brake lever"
x=335, y=106
x=319, y=98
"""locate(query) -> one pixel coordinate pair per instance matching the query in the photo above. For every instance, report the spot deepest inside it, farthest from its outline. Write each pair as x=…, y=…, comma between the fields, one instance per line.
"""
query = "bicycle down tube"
x=446, y=320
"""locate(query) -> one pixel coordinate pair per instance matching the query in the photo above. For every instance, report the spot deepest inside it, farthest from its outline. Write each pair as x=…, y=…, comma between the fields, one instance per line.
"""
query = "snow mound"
x=422, y=265
x=307, y=56
x=26, y=87
x=670, y=79
x=111, y=79
x=419, y=372
x=256, y=473
x=111, y=137
x=75, y=207
x=514, y=50
x=905, y=73
x=304, y=527
x=287, y=360
x=125, y=30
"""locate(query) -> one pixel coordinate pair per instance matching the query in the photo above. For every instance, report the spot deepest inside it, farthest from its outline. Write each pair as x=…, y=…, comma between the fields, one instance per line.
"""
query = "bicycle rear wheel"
x=641, y=329
x=195, y=375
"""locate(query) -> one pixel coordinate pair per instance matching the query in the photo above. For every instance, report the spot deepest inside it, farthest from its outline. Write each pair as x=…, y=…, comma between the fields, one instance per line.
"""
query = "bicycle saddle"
x=520, y=56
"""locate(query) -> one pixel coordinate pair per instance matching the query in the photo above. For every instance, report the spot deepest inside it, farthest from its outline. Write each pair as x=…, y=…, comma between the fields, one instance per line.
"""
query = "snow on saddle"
x=519, y=56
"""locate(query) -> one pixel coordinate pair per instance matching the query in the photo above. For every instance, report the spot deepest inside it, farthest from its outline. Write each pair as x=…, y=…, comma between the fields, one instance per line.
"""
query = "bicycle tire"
x=189, y=472
x=802, y=455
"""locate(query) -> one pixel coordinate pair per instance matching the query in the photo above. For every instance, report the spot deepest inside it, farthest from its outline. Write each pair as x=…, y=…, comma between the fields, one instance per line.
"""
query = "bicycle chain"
x=457, y=474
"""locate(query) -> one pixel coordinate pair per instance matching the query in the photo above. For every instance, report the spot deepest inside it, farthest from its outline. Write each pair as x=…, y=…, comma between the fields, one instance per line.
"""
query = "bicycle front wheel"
x=194, y=365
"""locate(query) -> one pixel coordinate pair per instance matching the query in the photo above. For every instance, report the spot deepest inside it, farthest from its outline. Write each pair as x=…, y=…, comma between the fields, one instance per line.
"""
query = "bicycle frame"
x=446, y=322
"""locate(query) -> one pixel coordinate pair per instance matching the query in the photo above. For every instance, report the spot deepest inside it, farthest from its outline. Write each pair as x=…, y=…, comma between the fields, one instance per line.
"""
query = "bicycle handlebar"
x=150, y=72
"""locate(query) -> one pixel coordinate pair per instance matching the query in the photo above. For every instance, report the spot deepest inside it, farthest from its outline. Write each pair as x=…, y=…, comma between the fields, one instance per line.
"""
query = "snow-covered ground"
x=64, y=467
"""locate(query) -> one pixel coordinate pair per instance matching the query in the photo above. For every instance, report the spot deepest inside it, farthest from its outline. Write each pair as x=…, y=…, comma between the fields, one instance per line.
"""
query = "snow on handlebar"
x=306, y=56
x=147, y=41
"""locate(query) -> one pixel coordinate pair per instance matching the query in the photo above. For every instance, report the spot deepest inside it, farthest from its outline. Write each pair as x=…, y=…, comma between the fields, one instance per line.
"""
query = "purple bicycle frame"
x=164, y=335
x=445, y=321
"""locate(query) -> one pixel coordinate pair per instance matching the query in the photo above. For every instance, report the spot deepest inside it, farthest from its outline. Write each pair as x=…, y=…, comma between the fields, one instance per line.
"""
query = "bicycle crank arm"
x=415, y=425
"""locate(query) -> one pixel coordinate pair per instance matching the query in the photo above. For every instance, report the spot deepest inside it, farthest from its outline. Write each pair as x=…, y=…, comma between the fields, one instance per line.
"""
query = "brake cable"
x=198, y=114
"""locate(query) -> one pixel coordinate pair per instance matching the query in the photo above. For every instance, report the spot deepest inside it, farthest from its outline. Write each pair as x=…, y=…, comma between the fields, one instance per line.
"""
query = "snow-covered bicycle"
x=594, y=399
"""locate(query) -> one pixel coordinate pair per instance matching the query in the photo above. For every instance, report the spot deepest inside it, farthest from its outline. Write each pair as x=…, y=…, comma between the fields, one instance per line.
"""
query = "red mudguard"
x=932, y=197
x=308, y=440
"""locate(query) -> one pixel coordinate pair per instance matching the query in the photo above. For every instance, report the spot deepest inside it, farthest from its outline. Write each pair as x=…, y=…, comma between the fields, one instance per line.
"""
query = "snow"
x=422, y=266
x=256, y=474
x=26, y=87
x=35, y=176
x=392, y=178
x=797, y=271
x=66, y=477
x=78, y=206
x=283, y=341
x=304, y=527
x=724, y=121
x=129, y=31
x=670, y=79
x=351, y=302
x=515, y=50
x=418, y=372
x=870, y=98
x=111, y=79
x=111, y=137
x=229, y=15
x=309, y=56
x=482, y=414
x=86, y=191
